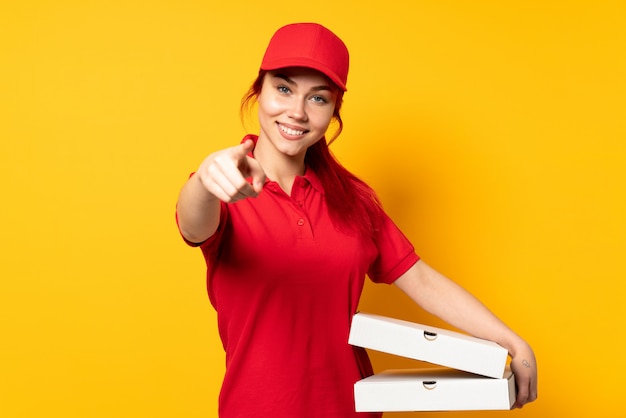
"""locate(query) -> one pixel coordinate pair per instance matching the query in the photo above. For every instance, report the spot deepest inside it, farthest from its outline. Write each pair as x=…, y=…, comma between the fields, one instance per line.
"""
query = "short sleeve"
x=396, y=254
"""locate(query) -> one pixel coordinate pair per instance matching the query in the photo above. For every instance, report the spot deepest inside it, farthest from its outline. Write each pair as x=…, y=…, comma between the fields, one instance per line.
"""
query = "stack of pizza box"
x=468, y=373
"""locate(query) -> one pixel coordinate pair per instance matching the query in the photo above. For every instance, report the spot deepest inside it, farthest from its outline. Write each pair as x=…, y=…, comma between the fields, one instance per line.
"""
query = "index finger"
x=521, y=397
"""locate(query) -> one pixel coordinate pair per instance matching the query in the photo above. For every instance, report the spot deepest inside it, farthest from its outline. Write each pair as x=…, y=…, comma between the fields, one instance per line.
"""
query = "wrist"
x=516, y=346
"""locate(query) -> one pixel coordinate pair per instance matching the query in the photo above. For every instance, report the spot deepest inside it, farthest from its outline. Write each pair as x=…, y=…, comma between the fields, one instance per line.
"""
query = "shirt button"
x=300, y=222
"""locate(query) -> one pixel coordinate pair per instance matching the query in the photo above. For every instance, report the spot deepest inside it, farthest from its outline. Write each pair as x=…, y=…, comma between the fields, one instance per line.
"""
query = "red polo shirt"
x=285, y=284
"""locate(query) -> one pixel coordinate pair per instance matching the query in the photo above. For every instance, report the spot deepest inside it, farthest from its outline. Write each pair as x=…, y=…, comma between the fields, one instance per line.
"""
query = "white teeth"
x=290, y=131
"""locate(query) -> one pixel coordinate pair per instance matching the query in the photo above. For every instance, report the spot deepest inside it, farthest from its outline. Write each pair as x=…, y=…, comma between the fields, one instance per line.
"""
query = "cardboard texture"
x=438, y=389
x=433, y=345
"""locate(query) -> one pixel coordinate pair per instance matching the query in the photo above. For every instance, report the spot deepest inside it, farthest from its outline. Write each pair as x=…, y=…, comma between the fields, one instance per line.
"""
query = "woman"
x=289, y=235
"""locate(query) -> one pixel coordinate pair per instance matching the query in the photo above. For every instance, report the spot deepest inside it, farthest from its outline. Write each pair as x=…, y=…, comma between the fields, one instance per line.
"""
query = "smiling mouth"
x=290, y=131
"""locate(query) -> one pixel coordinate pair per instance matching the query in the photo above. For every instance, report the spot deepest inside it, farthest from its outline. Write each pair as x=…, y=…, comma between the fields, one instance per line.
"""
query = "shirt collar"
x=313, y=179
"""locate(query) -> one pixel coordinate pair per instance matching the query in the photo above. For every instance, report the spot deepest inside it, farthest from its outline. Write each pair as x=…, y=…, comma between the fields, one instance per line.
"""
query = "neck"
x=279, y=167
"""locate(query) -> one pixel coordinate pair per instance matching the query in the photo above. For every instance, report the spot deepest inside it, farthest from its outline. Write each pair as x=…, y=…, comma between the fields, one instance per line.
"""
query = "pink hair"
x=342, y=189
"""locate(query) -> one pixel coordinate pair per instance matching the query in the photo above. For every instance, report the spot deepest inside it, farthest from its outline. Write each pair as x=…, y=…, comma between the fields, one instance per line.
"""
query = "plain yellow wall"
x=494, y=132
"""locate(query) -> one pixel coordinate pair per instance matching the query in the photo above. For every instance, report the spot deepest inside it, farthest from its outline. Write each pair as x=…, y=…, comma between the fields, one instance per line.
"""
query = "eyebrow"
x=323, y=87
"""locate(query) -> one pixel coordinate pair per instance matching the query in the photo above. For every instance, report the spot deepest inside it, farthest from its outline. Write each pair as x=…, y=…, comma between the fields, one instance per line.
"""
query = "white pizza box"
x=439, y=389
x=430, y=344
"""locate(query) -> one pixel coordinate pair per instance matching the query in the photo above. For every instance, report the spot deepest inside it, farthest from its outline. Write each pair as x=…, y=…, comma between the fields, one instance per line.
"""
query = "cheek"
x=270, y=105
x=322, y=118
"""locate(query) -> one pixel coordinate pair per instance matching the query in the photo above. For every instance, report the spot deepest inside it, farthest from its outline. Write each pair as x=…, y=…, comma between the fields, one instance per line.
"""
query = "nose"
x=297, y=110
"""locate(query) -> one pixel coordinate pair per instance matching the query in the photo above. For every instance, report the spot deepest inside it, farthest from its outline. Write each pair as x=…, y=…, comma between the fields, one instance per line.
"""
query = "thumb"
x=242, y=150
x=249, y=166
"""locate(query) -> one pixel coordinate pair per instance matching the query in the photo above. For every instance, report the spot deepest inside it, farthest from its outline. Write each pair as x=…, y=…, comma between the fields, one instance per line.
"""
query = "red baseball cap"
x=308, y=45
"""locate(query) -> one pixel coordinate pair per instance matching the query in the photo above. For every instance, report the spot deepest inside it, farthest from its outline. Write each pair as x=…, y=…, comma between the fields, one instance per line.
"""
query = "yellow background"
x=493, y=131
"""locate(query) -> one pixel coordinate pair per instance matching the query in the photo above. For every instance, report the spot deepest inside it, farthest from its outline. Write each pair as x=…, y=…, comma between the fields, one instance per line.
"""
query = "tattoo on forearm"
x=526, y=364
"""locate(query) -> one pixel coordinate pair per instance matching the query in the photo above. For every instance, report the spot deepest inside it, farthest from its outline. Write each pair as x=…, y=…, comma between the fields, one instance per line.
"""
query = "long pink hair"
x=352, y=204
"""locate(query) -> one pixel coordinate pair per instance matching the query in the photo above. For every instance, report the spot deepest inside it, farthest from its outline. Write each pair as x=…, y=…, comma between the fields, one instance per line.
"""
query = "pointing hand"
x=231, y=175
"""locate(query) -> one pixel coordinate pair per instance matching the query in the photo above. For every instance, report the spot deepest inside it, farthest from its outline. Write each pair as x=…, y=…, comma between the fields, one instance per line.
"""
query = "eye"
x=319, y=99
x=283, y=89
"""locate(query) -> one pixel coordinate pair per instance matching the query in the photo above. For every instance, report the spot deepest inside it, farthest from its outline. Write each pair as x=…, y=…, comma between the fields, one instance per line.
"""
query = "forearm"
x=442, y=297
x=198, y=211
x=445, y=299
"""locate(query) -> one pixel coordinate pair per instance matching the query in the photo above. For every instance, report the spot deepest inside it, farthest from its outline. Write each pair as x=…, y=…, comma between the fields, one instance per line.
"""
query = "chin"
x=292, y=151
